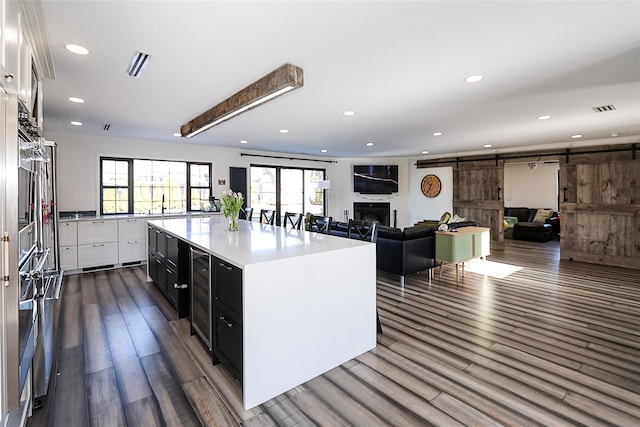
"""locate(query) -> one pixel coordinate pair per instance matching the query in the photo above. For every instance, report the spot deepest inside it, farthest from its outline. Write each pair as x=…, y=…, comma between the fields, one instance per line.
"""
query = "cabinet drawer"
x=228, y=288
x=228, y=343
x=171, y=248
x=131, y=250
x=171, y=282
x=161, y=243
x=68, y=233
x=152, y=268
x=98, y=231
x=69, y=257
x=151, y=238
x=131, y=229
x=97, y=254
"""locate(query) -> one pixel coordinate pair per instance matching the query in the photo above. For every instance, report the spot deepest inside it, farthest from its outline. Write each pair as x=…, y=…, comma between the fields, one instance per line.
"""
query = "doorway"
x=286, y=189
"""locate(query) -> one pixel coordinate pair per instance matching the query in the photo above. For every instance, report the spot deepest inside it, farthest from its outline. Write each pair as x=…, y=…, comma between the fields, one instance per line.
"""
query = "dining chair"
x=367, y=231
x=246, y=213
x=267, y=216
x=293, y=220
x=320, y=224
x=363, y=230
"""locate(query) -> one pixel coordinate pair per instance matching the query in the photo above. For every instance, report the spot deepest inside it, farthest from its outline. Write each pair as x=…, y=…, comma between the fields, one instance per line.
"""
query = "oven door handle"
x=56, y=292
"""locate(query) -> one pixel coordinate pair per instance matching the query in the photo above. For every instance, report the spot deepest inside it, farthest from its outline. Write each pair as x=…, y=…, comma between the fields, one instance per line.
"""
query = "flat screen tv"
x=375, y=179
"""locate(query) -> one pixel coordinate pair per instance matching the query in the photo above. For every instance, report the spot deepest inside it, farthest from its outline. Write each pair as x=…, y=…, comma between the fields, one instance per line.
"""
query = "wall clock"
x=431, y=185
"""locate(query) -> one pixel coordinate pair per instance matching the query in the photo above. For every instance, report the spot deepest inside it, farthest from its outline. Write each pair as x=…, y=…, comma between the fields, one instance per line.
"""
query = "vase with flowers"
x=232, y=203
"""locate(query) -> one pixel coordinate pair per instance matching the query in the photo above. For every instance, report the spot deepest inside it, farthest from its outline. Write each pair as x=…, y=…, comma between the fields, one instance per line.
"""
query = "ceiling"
x=400, y=66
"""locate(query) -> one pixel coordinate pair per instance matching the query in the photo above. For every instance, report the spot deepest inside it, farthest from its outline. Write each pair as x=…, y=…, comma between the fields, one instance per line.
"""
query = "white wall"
x=79, y=158
x=422, y=207
x=78, y=177
x=531, y=187
x=341, y=196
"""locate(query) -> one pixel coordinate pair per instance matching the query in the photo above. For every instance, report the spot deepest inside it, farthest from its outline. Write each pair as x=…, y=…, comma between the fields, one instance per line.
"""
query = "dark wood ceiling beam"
x=280, y=81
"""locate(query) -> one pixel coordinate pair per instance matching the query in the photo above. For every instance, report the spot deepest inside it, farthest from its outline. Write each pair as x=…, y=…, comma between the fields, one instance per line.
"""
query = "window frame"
x=278, y=185
x=131, y=178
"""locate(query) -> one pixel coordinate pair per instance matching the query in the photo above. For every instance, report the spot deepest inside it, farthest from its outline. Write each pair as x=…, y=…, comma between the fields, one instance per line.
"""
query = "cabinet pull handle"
x=230, y=325
x=98, y=246
x=177, y=286
x=225, y=266
x=5, y=258
x=98, y=222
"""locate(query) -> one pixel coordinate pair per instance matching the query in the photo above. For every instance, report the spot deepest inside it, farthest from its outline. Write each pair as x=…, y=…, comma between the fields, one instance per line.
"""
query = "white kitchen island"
x=308, y=299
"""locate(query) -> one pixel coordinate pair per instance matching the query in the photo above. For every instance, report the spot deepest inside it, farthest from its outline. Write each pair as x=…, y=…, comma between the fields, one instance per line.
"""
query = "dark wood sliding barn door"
x=478, y=196
x=600, y=210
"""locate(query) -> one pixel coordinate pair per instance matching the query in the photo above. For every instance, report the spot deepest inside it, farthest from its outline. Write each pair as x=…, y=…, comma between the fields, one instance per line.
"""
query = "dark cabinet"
x=228, y=288
x=228, y=343
x=168, y=266
x=151, y=265
x=227, y=316
x=171, y=250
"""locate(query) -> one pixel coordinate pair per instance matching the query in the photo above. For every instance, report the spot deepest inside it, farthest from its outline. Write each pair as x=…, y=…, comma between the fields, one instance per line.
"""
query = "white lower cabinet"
x=97, y=254
x=97, y=231
x=69, y=257
x=68, y=233
x=132, y=240
x=132, y=251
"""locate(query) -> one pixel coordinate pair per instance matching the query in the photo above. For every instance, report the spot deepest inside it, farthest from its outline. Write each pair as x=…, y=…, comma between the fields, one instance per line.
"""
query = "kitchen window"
x=142, y=186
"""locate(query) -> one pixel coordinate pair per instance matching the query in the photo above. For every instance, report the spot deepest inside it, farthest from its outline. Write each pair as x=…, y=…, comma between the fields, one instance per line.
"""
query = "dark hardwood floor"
x=534, y=341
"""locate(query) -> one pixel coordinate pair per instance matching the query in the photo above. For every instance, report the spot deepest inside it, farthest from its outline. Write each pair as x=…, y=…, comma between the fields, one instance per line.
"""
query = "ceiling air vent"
x=106, y=126
x=604, y=108
x=138, y=63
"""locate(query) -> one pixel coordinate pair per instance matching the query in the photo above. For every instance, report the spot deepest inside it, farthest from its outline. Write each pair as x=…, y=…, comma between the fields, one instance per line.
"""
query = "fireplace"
x=380, y=212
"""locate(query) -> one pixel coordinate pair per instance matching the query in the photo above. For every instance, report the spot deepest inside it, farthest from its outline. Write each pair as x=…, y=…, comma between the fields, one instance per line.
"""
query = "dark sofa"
x=400, y=251
x=527, y=229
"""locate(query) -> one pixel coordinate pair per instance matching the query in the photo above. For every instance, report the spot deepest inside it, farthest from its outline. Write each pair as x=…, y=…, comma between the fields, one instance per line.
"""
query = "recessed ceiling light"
x=243, y=141
x=488, y=145
x=437, y=134
x=576, y=136
x=425, y=152
x=77, y=49
x=324, y=150
x=76, y=123
x=473, y=79
x=349, y=113
x=615, y=134
x=177, y=134
x=545, y=117
x=370, y=144
x=284, y=131
x=76, y=100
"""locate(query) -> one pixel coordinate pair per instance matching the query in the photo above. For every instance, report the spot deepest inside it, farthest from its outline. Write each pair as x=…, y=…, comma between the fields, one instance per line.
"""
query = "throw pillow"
x=457, y=218
x=542, y=215
x=444, y=218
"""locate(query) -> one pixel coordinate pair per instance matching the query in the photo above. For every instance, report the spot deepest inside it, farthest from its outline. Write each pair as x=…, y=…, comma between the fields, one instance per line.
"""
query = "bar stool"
x=267, y=216
x=246, y=214
x=293, y=220
x=320, y=224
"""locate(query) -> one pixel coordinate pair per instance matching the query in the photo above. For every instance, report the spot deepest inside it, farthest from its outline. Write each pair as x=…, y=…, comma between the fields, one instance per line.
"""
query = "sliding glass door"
x=286, y=189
